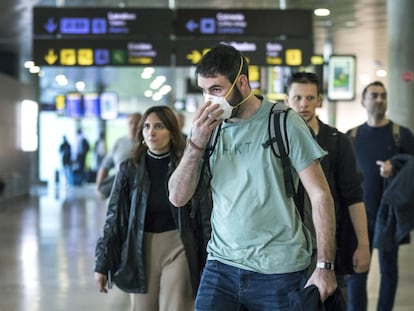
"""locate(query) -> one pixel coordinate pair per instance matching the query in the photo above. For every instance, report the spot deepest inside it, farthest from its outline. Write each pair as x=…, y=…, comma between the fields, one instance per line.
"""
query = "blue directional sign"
x=234, y=22
x=88, y=21
x=99, y=26
x=102, y=57
x=74, y=26
x=50, y=26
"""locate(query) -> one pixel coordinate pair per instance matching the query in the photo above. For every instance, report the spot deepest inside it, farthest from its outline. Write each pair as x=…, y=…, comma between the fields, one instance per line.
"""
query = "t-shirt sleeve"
x=303, y=147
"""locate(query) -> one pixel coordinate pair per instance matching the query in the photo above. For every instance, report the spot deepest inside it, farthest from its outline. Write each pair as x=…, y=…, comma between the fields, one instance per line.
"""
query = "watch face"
x=325, y=265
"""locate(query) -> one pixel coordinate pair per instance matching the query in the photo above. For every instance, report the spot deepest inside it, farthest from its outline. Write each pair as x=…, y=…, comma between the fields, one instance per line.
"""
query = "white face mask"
x=221, y=100
x=224, y=105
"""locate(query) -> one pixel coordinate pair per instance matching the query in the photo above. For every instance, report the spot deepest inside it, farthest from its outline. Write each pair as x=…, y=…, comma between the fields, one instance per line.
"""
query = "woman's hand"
x=101, y=281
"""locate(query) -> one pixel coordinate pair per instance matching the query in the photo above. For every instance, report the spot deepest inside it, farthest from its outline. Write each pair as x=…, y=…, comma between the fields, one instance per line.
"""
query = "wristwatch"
x=325, y=265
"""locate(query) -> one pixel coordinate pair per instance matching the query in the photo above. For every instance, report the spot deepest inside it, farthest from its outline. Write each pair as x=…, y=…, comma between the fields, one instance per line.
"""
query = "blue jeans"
x=357, y=284
x=226, y=288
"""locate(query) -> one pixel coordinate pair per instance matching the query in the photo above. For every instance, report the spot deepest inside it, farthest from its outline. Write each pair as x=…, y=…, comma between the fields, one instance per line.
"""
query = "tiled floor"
x=47, y=251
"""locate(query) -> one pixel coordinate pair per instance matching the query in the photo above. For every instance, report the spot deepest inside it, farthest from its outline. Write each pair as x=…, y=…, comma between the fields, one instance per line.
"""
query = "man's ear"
x=242, y=82
x=362, y=103
x=286, y=100
x=320, y=101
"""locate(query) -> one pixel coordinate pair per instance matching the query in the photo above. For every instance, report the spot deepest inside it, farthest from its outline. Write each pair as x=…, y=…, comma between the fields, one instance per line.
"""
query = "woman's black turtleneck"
x=158, y=217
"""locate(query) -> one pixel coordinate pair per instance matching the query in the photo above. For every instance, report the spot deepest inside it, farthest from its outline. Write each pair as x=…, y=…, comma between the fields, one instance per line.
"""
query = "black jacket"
x=395, y=217
x=345, y=184
x=119, y=252
x=309, y=299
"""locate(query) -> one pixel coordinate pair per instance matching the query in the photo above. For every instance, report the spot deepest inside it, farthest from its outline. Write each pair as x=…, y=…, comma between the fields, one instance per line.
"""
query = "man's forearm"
x=323, y=211
x=324, y=221
x=359, y=222
x=183, y=182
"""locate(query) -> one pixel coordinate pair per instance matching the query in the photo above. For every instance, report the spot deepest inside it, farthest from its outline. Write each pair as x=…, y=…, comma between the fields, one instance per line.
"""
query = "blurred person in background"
x=121, y=150
x=65, y=151
x=100, y=150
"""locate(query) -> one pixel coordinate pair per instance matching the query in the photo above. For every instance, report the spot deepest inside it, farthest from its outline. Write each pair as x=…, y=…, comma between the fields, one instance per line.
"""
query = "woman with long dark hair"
x=147, y=247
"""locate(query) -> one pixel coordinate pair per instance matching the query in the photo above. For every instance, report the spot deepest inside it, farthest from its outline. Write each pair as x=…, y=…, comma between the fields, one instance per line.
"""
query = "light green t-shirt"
x=254, y=225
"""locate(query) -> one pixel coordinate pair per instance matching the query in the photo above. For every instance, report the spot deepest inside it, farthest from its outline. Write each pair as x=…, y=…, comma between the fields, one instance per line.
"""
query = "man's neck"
x=377, y=122
x=314, y=124
x=247, y=109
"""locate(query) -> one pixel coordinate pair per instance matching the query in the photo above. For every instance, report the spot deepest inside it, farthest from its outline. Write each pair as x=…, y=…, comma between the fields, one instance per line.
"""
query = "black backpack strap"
x=279, y=143
x=353, y=132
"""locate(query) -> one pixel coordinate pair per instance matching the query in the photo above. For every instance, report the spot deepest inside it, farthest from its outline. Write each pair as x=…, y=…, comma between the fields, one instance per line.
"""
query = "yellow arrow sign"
x=51, y=57
x=293, y=57
x=195, y=56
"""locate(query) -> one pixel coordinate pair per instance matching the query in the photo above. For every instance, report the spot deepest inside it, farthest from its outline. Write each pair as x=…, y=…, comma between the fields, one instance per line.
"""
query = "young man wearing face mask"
x=259, y=249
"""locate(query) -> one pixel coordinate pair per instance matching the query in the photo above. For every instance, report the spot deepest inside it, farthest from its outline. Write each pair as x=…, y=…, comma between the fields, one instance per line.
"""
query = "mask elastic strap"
x=246, y=98
x=237, y=76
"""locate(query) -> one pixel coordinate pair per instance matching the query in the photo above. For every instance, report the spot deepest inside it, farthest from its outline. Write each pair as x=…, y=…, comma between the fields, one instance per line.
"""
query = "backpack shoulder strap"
x=279, y=143
x=396, y=134
x=277, y=125
x=353, y=132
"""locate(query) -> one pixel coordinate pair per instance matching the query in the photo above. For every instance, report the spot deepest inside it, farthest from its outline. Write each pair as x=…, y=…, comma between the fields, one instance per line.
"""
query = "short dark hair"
x=303, y=78
x=222, y=59
x=375, y=83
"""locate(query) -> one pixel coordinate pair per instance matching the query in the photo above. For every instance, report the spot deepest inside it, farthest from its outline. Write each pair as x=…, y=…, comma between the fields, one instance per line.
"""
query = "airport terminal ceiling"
x=349, y=19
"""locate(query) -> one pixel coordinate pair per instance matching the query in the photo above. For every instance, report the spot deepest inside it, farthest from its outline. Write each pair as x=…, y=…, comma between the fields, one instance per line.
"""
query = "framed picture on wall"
x=341, y=79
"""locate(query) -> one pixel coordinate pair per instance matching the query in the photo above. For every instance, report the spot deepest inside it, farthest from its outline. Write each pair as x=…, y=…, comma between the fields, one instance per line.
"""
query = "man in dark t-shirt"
x=375, y=144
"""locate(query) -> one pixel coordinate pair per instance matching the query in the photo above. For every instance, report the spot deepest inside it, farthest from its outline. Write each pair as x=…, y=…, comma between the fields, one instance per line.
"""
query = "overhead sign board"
x=94, y=52
x=254, y=23
x=81, y=36
x=258, y=52
x=84, y=21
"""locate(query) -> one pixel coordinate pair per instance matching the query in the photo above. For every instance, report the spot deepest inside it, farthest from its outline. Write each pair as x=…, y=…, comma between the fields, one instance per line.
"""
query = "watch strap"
x=325, y=265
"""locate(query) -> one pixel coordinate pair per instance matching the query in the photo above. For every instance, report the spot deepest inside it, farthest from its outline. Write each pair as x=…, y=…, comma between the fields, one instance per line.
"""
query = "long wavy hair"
x=168, y=118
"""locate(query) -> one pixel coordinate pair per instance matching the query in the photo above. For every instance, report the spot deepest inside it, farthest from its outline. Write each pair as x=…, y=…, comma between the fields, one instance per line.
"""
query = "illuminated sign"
x=255, y=23
x=78, y=36
x=258, y=52
x=95, y=52
x=91, y=105
x=84, y=21
x=60, y=104
x=189, y=52
x=74, y=106
x=108, y=105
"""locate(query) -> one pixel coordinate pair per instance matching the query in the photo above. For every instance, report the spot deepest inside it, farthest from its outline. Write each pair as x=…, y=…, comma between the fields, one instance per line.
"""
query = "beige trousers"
x=168, y=275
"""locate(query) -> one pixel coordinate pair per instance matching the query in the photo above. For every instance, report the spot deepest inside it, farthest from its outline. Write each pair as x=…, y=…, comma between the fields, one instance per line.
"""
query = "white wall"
x=15, y=167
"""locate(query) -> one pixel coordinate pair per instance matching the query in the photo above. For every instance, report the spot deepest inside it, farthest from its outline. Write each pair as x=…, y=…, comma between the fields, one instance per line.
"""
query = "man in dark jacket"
x=344, y=181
